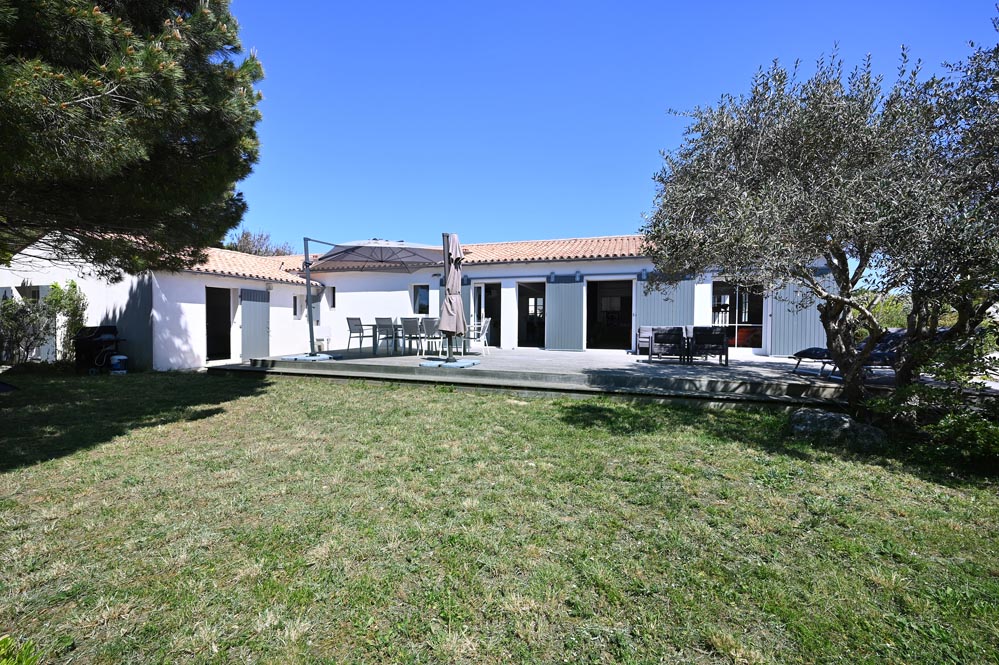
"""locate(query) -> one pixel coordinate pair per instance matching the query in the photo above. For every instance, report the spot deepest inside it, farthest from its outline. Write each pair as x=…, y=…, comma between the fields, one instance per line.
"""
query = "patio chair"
x=709, y=341
x=384, y=330
x=357, y=331
x=478, y=334
x=411, y=331
x=643, y=339
x=669, y=342
x=433, y=335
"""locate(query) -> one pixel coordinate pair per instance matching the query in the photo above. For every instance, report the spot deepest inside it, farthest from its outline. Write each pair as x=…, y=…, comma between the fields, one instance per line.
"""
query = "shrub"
x=26, y=325
x=951, y=411
x=71, y=305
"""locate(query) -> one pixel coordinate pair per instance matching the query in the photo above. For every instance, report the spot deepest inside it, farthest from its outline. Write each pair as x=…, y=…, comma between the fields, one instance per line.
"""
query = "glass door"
x=478, y=308
x=740, y=311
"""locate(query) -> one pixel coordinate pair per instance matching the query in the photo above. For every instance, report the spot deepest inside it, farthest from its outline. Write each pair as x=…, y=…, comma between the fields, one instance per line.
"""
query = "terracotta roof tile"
x=287, y=268
x=606, y=247
x=239, y=264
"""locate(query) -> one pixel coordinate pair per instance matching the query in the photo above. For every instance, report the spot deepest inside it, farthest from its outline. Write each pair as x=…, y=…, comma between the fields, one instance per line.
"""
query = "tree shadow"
x=766, y=431
x=133, y=319
x=54, y=415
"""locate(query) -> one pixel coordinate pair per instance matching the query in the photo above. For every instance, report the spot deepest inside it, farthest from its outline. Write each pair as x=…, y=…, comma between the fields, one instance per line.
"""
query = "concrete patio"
x=748, y=379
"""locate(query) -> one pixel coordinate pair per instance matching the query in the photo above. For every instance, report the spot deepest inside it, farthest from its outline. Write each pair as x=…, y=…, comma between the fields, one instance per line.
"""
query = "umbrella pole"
x=308, y=299
x=447, y=271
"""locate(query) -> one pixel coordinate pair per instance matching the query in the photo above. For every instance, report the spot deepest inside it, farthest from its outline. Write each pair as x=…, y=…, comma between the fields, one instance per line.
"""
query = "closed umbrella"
x=452, y=309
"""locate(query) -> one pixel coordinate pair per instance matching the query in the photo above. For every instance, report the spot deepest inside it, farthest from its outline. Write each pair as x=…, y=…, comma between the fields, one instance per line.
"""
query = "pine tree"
x=124, y=127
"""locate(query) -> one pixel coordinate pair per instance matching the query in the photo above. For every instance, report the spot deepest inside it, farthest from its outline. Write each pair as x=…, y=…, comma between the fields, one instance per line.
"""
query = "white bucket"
x=119, y=364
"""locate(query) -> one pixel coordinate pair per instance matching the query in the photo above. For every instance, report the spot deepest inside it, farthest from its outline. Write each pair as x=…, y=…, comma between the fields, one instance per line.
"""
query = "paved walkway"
x=747, y=379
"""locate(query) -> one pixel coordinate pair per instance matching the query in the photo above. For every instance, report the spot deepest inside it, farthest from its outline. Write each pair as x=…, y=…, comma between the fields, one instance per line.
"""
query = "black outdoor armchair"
x=669, y=342
x=643, y=338
x=709, y=341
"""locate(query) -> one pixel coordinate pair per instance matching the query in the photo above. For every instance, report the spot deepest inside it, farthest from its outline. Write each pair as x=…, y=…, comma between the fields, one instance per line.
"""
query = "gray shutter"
x=791, y=329
x=564, y=298
x=675, y=308
x=466, y=299
x=256, y=306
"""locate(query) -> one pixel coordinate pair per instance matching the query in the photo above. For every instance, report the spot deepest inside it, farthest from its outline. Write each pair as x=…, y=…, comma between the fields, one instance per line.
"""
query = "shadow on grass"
x=52, y=415
x=766, y=431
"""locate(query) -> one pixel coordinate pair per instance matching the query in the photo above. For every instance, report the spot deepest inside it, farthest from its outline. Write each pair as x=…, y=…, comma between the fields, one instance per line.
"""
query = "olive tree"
x=813, y=182
x=950, y=266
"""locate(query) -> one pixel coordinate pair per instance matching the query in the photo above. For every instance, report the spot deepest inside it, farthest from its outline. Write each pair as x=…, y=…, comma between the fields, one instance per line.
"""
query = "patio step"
x=598, y=381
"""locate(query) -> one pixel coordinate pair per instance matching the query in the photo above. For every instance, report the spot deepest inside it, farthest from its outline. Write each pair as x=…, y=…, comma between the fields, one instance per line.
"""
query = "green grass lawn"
x=197, y=518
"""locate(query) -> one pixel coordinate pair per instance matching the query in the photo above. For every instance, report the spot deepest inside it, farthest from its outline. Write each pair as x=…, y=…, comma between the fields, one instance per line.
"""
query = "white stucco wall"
x=179, y=319
x=702, y=301
x=105, y=301
x=372, y=294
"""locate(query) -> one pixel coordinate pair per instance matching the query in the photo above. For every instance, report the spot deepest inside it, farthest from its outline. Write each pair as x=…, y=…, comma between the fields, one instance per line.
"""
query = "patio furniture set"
x=423, y=332
x=683, y=342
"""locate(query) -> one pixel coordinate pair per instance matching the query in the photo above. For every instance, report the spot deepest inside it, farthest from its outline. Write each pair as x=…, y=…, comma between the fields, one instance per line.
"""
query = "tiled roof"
x=287, y=268
x=606, y=247
x=238, y=264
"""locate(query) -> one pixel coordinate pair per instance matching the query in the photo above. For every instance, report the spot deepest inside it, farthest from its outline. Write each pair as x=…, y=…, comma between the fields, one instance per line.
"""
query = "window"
x=331, y=294
x=29, y=292
x=610, y=303
x=421, y=299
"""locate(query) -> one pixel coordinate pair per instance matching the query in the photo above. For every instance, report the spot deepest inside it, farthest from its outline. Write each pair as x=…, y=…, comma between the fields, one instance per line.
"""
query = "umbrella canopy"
x=452, y=309
x=377, y=254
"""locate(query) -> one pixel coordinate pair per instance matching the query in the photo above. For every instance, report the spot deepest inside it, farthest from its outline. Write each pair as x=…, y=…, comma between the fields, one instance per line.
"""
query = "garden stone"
x=817, y=424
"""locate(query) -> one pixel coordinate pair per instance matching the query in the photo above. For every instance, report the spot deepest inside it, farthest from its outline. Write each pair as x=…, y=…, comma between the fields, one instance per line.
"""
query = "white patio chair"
x=478, y=334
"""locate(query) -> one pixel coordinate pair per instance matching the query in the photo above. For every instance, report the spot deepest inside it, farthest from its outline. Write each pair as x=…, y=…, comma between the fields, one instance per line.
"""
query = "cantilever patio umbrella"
x=378, y=254
x=374, y=254
x=452, y=309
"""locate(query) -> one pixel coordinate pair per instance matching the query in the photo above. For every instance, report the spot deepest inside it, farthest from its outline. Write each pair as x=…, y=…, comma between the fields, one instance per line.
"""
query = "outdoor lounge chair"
x=885, y=353
x=813, y=354
x=669, y=342
x=709, y=341
x=357, y=331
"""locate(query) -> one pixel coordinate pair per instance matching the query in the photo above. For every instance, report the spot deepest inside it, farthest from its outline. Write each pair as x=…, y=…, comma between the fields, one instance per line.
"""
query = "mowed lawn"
x=183, y=517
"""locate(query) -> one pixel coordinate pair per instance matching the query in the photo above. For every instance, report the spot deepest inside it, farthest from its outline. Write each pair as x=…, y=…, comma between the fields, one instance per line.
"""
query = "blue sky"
x=523, y=120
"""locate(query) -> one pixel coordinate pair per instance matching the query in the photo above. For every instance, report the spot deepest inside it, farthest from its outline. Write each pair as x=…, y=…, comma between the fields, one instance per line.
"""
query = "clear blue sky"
x=523, y=120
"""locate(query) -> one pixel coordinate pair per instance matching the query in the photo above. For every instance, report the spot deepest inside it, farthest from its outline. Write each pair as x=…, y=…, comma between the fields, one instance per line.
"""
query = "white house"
x=572, y=294
x=234, y=306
